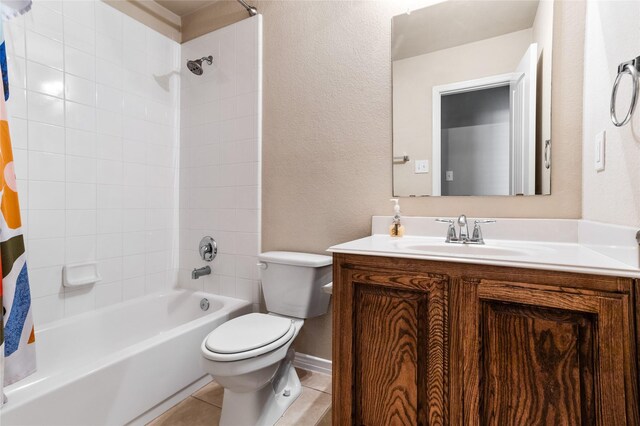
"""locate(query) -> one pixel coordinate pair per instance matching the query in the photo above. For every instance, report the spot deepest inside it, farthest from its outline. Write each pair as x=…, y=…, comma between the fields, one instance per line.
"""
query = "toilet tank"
x=292, y=283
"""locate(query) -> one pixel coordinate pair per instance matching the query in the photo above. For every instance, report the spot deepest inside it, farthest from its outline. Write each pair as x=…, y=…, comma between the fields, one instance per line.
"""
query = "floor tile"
x=313, y=380
x=190, y=412
x=211, y=393
x=326, y=419
x=307, y=409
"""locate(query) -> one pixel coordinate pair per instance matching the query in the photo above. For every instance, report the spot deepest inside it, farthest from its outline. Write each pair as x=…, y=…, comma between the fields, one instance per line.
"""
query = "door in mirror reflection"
x=483, y=134
x=472, y=99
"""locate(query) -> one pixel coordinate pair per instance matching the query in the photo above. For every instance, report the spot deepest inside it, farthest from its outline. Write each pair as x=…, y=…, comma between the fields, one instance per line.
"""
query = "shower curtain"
x=17, y=337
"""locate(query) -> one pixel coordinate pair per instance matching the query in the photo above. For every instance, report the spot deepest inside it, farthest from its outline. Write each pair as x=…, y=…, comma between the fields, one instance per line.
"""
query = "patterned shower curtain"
x=17, y=337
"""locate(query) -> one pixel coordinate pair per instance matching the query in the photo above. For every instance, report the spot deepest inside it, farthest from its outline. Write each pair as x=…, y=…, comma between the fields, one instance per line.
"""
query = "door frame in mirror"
x=451, y=89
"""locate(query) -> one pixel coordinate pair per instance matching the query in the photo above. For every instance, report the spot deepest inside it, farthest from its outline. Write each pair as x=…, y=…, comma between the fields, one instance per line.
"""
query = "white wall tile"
x=46, y=224
x=44, y=79
x=80, y=11
x=78, y=301
x=44, y=50
x=44, y=108
x=79, y=36
x=80, y=143
x=46, y=166
x=45, y=21
x=81, y=117
x=108, y=294
x=80, y=90
x=80, y=169
x=19, y=133
x=80, y=222
x=109, y=98
x=18, y=105
x=79, y=63
x=45, y=281
x=80, y=249
x=47, y=309
x=81, y=196
x=46, y=195
x=45, y=137
x=46, y=252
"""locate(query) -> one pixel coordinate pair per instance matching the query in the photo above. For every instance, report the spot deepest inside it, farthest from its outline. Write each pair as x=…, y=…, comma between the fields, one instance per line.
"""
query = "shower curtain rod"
x=251, y=9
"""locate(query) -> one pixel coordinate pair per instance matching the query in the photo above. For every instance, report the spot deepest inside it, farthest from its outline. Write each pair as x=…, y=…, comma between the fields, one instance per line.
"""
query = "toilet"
x=251, y=356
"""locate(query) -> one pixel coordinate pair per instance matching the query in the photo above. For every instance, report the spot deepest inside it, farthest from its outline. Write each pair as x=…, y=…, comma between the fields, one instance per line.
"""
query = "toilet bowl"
x=251, y=356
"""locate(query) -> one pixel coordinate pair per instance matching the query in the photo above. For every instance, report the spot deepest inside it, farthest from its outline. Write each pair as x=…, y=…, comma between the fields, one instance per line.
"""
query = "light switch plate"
x=421, y=166
x=448, y=176
x=599, y=151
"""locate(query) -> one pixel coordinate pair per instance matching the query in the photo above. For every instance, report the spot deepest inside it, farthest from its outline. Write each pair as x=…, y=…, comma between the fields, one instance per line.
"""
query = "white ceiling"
x=453, y=23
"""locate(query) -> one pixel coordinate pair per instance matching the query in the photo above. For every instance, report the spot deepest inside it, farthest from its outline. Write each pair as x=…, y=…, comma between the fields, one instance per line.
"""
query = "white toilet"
x=250, y=356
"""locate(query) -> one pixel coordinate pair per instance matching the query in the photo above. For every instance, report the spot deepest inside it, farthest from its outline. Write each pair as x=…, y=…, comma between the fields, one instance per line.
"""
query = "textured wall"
x=327, y=128
x=612, y=36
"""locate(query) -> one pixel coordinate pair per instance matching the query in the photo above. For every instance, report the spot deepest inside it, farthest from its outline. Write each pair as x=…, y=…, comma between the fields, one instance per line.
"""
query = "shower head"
x=195, y=66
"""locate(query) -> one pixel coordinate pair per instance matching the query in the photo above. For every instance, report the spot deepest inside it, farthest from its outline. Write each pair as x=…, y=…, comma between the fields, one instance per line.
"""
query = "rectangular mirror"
x=472, y=99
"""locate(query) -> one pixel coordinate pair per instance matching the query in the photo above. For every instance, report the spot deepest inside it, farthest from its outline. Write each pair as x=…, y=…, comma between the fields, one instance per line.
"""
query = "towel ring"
x=631, y=69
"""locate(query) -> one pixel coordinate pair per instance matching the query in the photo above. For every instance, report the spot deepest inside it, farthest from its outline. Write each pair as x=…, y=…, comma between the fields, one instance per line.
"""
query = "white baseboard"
x=312, y=363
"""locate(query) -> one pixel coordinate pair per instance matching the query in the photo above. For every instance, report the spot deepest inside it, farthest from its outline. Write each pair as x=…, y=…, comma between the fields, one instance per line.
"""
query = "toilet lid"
x=247, y=332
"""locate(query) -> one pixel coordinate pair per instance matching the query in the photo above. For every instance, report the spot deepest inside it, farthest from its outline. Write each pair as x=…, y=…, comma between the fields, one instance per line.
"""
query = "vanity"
x=537, y=326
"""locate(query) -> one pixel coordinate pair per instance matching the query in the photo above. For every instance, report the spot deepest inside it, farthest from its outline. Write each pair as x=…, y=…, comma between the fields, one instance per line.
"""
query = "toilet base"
x=265, y=406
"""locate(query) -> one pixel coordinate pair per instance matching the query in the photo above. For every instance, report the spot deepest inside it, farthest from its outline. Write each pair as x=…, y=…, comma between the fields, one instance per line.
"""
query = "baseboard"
x=312, y=363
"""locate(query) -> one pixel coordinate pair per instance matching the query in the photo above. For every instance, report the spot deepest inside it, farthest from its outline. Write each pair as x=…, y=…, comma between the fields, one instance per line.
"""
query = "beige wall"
x=413, y=82
x=612, y=36
x=327, y=128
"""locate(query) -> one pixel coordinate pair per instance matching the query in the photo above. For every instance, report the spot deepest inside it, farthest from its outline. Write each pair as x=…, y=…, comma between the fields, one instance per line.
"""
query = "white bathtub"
x=110, y=366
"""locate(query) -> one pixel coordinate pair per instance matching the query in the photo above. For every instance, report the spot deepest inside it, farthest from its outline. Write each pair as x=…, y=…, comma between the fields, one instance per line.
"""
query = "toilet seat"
x=248, y=336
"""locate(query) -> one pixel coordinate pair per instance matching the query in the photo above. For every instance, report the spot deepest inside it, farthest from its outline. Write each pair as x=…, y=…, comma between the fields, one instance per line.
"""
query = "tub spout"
x=198, y=272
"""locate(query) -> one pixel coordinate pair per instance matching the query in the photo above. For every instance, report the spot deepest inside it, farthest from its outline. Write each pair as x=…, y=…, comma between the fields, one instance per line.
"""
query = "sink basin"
x=465, y=249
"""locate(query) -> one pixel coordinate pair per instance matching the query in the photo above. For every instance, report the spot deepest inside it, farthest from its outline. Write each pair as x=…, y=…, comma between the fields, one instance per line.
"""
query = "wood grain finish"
x=423, y=342
x=525, y=346
x=389, y=357
x=396, y=350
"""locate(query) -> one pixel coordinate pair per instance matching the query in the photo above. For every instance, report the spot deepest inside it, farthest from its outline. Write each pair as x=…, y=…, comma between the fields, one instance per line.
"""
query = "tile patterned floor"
x=203, y=407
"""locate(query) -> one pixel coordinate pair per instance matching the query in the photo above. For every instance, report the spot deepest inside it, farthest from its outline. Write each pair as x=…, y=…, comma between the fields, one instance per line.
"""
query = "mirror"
x=472, y=99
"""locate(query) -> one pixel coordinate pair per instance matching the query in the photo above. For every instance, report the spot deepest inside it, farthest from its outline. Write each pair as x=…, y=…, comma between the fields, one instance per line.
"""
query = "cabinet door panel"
x=389, y=352
x=391, y=349
x=535, y=356
x=524, y=347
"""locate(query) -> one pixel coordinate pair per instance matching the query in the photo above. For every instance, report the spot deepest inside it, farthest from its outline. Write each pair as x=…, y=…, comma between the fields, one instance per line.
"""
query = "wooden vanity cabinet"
x=420, y=342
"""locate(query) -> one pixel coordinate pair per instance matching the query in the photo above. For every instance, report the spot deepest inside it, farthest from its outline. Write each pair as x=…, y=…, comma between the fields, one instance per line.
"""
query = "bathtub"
x=113, y=365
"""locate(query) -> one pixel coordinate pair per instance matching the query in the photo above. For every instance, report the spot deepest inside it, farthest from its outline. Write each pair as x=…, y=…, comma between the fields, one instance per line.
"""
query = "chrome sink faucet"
x=462, y=237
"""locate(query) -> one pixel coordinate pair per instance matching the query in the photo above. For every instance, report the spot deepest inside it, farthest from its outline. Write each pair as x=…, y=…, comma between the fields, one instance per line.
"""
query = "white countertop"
x=588, y=256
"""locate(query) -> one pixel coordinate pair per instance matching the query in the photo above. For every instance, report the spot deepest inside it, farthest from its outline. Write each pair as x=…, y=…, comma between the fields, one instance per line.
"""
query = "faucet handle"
x=450, y=221
x=477, y=231
x=451, y=231
x=475, y=222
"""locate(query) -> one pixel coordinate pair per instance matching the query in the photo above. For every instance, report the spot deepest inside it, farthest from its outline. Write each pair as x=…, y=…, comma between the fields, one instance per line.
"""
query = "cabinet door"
x=545, y=356
x=390, y=349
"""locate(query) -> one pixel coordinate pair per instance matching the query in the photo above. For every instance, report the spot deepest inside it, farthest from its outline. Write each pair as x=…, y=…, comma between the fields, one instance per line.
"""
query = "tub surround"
x=551, y=244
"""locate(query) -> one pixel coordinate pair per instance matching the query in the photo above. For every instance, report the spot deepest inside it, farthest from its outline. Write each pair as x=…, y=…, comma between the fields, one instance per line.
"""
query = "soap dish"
x=80, y=274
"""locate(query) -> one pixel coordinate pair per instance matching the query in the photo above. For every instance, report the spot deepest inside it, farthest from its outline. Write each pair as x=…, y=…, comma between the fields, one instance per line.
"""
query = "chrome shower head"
x=195, y=66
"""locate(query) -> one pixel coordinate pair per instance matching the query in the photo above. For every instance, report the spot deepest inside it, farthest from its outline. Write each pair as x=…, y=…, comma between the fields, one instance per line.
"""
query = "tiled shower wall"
x=93, y=118
x=220, y=159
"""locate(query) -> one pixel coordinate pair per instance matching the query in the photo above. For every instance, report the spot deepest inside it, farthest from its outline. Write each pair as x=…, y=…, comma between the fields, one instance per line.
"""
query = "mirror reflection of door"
x=472, y=97
x=484, y=140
